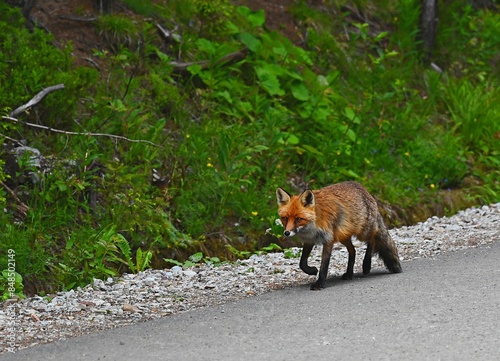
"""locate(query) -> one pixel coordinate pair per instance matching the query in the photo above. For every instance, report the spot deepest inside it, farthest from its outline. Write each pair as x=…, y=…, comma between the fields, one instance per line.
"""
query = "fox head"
x=296, y=212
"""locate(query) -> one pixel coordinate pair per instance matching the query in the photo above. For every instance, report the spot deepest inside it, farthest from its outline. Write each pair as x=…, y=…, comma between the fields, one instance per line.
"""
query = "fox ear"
x=282, y=196
x=307, y=198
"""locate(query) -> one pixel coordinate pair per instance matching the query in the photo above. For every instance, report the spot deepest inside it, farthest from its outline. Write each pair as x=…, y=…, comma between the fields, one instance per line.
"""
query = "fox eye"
x=298, y=219
x=284, y=220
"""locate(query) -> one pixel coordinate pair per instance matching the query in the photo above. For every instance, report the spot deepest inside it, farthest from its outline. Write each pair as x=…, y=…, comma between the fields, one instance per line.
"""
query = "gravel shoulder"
x=155, y=294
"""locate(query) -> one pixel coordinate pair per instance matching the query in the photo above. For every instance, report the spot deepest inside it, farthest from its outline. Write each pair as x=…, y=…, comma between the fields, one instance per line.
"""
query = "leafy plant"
x=11, y=283
x=118, y=31
x=213, y=16
x=474, y=121
x=142, y=259
x=194, y=259
x=238, y=253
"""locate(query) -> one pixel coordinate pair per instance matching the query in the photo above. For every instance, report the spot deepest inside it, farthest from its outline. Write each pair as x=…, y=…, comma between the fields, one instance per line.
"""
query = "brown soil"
x=73, y=22
x=51, y=16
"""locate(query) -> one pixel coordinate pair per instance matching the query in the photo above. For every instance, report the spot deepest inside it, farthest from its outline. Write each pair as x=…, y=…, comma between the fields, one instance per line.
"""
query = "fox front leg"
x=306, y=251
x=323, y=271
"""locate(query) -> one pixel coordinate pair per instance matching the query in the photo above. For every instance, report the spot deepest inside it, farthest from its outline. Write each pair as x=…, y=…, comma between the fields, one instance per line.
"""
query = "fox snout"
x=290, y=233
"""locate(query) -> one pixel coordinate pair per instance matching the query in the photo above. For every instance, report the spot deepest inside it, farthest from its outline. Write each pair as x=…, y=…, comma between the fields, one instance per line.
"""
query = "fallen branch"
x=78, y=18
x=11, y=139
x=204, y=64
x=22, y=208
x=89, y=134
x=36, y=99
x=168, y=35
x=92, y=61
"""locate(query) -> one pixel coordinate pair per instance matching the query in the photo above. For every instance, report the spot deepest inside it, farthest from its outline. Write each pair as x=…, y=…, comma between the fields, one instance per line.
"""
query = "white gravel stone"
x=159, y=293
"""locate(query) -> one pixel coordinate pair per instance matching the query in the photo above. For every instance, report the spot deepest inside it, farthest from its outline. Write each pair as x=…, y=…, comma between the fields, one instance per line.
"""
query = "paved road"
x=442, y=309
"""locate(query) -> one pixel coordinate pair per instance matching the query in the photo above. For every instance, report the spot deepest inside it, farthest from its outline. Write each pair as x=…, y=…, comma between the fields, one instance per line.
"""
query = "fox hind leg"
x=367, y=261
x=350, y=263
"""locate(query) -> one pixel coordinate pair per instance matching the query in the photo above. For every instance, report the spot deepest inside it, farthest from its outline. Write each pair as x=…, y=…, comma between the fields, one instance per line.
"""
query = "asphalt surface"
x=446, y=308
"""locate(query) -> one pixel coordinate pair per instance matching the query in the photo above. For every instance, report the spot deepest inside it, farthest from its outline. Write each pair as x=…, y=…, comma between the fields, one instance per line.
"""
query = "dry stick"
x=78, y=18
x=89, y=134
x=168, y=35
x=11, y=139
x=36, y=99
x=92, y=61
x=22, y=207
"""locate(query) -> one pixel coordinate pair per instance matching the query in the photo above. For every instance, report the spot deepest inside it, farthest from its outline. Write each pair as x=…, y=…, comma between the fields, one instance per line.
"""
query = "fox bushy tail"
x=386, y=247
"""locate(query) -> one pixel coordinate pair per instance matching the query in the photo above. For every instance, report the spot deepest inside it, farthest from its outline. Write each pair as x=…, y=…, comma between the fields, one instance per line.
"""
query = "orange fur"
x=335, y=214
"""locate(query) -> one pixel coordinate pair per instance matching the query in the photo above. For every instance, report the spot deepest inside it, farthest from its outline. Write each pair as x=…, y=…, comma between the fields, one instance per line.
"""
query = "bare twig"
x=78, y=18
x=22, y=208
x=92, y=61
x=89, y=134
x=11, y=139
x=168, y=35
x=36, y=99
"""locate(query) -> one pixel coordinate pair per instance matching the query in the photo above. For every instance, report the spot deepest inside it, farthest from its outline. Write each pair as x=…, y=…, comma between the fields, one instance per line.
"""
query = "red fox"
x=335, y=214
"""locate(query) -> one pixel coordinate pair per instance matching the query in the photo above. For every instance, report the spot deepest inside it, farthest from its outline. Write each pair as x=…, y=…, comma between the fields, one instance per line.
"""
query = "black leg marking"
x=325, y=262
x=306, y=251
x=367, y=261
x=350, y=262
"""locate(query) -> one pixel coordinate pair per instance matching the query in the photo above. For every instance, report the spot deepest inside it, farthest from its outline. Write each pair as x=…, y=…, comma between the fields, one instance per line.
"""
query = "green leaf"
x=62, y=186
x=124, y=246
x=163, y=57
x=280, y=51
x=321, y=113
x=197, y=257
x=255, y=18
x=70, y=242
x=206, y=46
x=269, y=81
x=225, y=94
x=351, y=135
x=288, y=138
x=142, y=259
x=391, y=54
x=250, y=41
x=351, y=115
x=312, y=150
x=349, y=173
x=117, y=105
x=173, y=261
x=300, y=91
x=194, y=69
x=380, y=36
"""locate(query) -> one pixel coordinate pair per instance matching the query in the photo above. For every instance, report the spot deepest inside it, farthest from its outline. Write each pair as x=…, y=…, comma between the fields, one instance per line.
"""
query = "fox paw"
x=316, y=286
x=347, y=276
x=312, y=271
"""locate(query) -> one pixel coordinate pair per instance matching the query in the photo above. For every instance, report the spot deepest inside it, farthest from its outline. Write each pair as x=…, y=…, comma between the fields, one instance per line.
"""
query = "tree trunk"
x=105, y=6
x=428, y=26
x=25, y=5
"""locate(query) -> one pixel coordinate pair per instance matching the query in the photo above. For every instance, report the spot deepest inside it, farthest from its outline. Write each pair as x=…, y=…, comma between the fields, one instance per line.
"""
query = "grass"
x=354, y=102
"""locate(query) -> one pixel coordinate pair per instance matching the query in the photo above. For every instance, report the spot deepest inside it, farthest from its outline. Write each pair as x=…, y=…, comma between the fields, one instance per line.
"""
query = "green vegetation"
x=195, y=259
x=222, y=113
